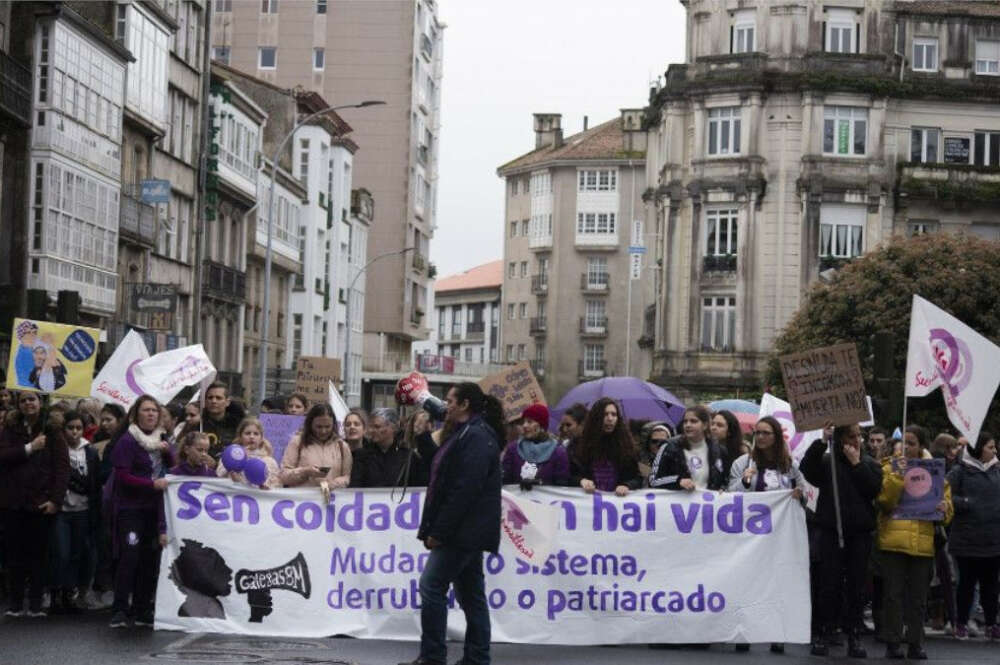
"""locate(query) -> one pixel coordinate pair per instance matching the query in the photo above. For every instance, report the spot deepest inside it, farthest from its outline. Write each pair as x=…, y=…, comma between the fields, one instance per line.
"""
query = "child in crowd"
x=250, y=435
x=193, y=457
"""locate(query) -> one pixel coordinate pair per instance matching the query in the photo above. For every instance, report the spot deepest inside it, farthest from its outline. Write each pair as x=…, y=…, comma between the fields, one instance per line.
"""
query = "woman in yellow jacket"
x=907, y=548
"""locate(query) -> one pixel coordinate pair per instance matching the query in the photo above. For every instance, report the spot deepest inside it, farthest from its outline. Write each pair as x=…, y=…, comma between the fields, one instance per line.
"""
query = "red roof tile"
x=603, y=141
x=488, y=275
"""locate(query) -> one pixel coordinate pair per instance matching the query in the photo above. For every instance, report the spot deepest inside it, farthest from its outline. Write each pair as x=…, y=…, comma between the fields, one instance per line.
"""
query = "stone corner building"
x=573, y=207
x=796, y=137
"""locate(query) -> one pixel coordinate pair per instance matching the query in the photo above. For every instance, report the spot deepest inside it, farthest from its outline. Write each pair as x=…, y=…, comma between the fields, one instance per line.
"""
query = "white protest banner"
x=116, y=383
x=653, y=566
x=945, y=353
x=166, y=374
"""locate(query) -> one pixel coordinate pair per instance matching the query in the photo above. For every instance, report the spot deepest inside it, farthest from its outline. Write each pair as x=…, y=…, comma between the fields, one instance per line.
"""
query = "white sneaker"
x=14, y=614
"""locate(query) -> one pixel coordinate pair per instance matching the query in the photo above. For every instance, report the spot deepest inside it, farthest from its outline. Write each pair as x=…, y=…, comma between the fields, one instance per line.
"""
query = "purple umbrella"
x=640, y=400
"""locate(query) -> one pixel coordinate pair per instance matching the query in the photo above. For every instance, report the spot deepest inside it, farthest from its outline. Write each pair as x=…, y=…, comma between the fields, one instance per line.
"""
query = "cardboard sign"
x=279, y=430
x=515, y=387
x=923, y=489
x=52, y=358
x=313, y=373
x=825, y=385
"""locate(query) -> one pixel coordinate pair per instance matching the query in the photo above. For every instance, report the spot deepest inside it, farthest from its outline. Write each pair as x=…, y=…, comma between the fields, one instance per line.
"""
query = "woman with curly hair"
x=606, y=457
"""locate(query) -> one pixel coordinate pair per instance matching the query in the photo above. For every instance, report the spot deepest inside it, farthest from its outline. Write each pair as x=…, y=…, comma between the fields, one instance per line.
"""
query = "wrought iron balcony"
x=137, y=220
x=475, y=329
x=223, y=282
x=722, y=263
x=538, y=367
x=594, y=326
x=15, y=89
x=538, y=325
x=595, y=283
x=540, y=284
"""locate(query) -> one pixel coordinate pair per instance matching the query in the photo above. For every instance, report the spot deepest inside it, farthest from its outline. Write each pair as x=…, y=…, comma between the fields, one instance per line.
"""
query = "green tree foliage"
x=958, y=273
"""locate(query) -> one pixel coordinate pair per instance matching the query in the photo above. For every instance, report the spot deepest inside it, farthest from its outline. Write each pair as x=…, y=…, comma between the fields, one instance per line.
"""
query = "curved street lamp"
x=262, y=384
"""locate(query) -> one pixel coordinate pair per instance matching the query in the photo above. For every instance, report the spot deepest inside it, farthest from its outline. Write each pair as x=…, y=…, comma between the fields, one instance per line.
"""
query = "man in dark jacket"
x=220, y=418
x=461, y=520
x=843, y=562
x=381, y=461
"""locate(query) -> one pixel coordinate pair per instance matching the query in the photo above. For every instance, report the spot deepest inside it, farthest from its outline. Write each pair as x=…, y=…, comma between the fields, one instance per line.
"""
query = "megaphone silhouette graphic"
x=258, y=584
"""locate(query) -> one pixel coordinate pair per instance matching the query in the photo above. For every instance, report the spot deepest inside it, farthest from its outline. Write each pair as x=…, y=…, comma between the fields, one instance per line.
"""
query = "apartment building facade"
x=467, y=310
x=572, y=303
x=796, y=137
x=327, y=47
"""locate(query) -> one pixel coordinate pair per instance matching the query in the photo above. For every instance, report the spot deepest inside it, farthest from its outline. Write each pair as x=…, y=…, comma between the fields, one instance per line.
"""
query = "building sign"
x=153, y=297
x=155, y=191
x=435, y=364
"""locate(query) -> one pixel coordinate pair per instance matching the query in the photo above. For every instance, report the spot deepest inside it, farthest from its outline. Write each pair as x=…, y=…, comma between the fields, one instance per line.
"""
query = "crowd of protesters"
x=83, y=525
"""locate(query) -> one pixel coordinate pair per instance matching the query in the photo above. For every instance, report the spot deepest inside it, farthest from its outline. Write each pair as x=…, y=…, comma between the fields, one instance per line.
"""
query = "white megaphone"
x=412, y=389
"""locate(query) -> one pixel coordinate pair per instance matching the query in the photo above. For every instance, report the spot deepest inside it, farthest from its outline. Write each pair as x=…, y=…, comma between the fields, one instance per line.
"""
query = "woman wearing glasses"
x=768, y=466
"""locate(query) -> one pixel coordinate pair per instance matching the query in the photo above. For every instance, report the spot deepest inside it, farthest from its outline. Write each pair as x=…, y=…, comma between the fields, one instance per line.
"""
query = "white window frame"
x=919, y=227
x=925, y=134
x=524, y=269
x=744, y=31
x=260, y=57
x=511, y=312
x=718, y=323
x=269, y=7
x=716, y=221
x=595, y=315
x=512, y=270
x=596, y=223
x=990, y=137
x=597, y=272
x=593, y=358
x=988, y=57
x=218, y=51
x=838, y=21
x=924, y=48
x=724, y=126
x=319, y=59
x=599, y=180
x=852, y=115
x=842, y=231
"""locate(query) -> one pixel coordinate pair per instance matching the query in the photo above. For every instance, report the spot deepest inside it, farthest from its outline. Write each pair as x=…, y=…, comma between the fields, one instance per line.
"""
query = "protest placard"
x=825, y=385
x=313, y=374
x=52, y=358
x=923, y=489
x=515, y=387
x=279, y=430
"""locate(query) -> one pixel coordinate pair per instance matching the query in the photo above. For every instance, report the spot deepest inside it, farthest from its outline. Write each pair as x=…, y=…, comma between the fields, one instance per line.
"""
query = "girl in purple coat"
x=141, y=457
x=193, y=457
x=535, y=458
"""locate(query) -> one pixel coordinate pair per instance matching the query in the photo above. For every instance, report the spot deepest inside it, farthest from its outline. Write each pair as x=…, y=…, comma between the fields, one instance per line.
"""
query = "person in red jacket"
x=34, y=474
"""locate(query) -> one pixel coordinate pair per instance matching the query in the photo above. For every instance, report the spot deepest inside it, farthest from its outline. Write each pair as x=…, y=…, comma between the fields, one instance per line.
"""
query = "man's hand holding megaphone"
x=412, y=389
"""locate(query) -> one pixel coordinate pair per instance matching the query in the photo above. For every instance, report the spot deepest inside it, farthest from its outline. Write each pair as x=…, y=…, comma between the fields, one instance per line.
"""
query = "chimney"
x=548, y=130
x=584, y=123
x=633, y=134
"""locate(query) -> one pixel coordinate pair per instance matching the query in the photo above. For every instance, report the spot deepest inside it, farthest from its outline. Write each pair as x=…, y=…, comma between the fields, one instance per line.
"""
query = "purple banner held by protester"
x=923, y=489
x=279, y=430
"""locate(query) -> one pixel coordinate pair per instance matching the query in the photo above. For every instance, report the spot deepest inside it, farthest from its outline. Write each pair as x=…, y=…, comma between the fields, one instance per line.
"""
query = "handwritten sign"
x=825, y=385
x=515, y=387
x=313, y=374
x=956, y=150
x=923, y=489
x=279, y=430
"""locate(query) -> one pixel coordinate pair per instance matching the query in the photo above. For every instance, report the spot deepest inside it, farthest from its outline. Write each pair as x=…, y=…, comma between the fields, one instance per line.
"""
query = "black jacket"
x=89, y=485
x=27, y=481
x=975, y=491
x=222, y=432
x=670, y=466
x=858, y=487
x=374, y=468
x=462, y=503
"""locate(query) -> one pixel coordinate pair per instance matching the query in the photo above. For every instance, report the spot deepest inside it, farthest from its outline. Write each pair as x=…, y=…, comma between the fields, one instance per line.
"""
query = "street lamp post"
x=347, y=315
x=270, y=232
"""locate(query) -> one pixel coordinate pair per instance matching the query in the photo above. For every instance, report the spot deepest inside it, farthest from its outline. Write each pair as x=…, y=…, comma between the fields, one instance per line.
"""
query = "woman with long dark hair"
x=34, y=474
x=725, y=429
x=974, y=540
x=141, y=457
x=316, y=456
x=460, y=521
x=605, y=458
x=691, y=460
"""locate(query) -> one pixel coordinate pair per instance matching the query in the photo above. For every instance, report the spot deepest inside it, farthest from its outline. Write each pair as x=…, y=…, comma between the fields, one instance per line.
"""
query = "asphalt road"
x=87, y=639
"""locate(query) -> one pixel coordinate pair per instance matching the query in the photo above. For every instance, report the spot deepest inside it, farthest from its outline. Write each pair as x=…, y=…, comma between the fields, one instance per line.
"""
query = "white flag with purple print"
x=945, y=353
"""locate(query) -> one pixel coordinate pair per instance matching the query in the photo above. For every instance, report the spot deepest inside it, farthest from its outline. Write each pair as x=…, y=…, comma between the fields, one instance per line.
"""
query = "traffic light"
x=68, y=307
x=38, y=304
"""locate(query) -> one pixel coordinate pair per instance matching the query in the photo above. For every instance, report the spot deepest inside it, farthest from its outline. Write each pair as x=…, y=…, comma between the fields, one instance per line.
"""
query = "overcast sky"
x=507, y=59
